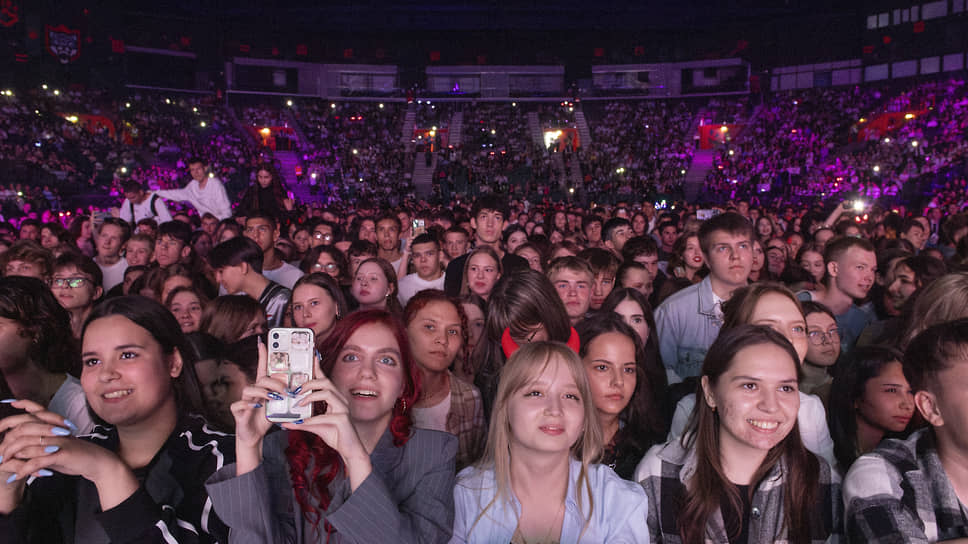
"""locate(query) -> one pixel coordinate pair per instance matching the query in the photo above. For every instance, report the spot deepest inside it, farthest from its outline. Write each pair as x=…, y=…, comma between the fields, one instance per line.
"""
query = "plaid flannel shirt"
x=900, y=493
x=466, y=420
x=665, y=470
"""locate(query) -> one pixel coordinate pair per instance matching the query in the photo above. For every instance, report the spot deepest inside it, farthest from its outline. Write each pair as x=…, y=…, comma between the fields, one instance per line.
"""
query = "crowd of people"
x=755, y=367
x=489, y=371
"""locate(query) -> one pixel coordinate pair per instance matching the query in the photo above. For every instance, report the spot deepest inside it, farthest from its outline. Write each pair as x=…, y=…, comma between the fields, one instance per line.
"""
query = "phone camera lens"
x=275, y=344
x=275, y=335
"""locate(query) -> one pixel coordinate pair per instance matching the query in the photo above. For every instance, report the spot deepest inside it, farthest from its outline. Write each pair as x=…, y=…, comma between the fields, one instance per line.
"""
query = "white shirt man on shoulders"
x=204, y=193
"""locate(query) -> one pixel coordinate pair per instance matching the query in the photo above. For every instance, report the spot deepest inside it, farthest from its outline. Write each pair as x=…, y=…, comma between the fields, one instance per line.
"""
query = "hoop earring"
x=403, y=405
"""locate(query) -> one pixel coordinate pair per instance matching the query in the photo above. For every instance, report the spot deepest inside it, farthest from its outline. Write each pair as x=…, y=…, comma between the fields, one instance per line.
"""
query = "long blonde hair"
x=522, y=369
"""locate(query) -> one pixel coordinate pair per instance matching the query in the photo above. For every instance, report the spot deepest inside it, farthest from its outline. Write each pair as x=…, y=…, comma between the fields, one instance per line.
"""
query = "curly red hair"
x=308, y=450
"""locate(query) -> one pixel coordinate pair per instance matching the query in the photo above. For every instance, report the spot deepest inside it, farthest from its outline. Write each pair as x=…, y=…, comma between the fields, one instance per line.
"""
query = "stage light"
x=313, y=175
x=265, y=131
x=683, y=172
x=877, y=168
x=289, y=103
x=571, y=190
x=202, y=124
x=72, y=118
x=730, y=152
x=211, y=175
x=571, y=109
x=914, y=143
x=493, y=131
x=887, y=140
x=381, y=106
x=124, y=170
x=724, y=129
x=167, y=101
x=863, y=120
x=127, y=104
x=355, y=152
x=56, y=92
x=44, y=86
x=332, y=106
x=909, y=116
x=20, y=193
x=514, y=105
x=434, y=128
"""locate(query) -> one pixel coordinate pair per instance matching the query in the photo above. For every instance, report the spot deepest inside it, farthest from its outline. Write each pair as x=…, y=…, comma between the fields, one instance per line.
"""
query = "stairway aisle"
x=702, y=163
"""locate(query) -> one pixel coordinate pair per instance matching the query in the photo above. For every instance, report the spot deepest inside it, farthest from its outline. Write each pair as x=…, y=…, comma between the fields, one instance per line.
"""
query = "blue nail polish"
x=60, y=431
x=12, y=478
x=296, y=391
x=274, y=396
x=70, y=424
x=8, y=401
x=1, y=458
x=51, y=449
x=298, y=421
x=44, y=472
x=257, y=405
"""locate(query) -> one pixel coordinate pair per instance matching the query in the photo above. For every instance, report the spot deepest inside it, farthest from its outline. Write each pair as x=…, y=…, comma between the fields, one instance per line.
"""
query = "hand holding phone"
x=290, y=361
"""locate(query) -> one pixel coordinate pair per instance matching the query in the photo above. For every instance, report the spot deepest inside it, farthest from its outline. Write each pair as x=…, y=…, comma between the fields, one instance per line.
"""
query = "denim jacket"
x=687, y=324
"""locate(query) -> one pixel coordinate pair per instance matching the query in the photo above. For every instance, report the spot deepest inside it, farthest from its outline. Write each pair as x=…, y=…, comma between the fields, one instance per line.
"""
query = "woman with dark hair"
x=524, y=308
x=482, y=270
x=475, y=310
x=740, y=472
x=687, y=260
x=317, y=303
x=267, y=196
x=635, y=310
x=326, y=259
x=37, y=358
x=188, y=306
x=357, y=467
x=630, y=416
x=514, y=236
x=54, y=237
x=140, y=479
x=870, y=400
x=80, y=229
x=437, y=329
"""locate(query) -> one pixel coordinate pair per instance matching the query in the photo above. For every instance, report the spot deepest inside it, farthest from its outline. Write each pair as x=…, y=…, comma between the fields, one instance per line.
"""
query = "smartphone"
x=419, y=227
x=291, y=361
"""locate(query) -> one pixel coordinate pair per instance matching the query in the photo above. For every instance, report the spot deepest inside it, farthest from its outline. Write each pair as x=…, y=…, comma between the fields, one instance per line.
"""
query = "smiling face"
x=435, y=335
x=75, y=298
x=610, y=366
x=313, y=308
x=369, y=373
x=126, y=376
x=370, y=286
x=109, y=241
x=547, y=414
x=482, y=274
x=757, y=401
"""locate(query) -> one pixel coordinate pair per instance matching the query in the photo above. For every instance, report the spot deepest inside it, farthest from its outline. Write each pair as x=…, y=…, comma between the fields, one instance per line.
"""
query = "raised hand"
x=251, y=424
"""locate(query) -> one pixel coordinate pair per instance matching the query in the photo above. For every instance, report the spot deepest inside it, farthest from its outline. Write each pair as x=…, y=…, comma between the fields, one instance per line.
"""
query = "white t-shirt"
x=286, y=275
x=212, y=198
x=143, y=210
x=69, y=401
x=433, y=418
x=114, y=274
x=411, y=284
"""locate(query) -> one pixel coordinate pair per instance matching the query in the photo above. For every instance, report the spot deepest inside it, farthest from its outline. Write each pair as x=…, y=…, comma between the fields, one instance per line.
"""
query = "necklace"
x=518, y=537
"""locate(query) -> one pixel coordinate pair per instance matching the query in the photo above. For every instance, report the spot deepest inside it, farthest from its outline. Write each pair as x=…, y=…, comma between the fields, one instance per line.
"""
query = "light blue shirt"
x=687, y=323
x=618, y=515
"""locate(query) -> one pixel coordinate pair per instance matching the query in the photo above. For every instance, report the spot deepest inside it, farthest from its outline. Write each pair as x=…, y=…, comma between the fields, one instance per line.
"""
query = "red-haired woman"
x=356, y=467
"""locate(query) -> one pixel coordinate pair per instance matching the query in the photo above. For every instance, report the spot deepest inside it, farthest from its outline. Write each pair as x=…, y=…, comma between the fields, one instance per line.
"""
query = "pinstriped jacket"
x=171, y=506
x=407, y=498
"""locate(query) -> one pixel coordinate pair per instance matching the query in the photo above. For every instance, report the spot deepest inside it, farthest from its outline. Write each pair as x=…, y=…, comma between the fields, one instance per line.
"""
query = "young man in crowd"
x=668, y=233
x=913, y=231
x=688, y=322
x=205, y=193
x=851, y=266
x=616, y=233
x=573, y=279
x=915, y=489
x=238, y=269
x=488, y=219
x=27, y=258
x=388, y=239
x=456, y=243
x=109, y=240
x=30, y=230
x=139, y=250
x=76, y=283
x=264, y=231
x=604, y=264
x=425, y=256
x=173, y=244
x=645, y=251
x=591, y=225
x=139, y=205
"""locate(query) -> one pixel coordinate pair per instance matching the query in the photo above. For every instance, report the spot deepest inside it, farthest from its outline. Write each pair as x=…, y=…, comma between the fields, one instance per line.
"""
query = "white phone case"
x=291, y=360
